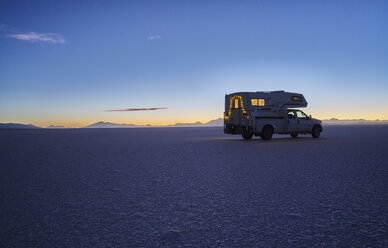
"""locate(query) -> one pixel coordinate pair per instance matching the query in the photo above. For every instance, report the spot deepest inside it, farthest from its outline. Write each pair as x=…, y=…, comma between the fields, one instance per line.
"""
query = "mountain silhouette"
x=17, y=126
x=103, y=124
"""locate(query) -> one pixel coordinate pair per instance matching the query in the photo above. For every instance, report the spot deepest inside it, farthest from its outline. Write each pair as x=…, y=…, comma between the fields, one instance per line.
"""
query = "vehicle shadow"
x=275, y=140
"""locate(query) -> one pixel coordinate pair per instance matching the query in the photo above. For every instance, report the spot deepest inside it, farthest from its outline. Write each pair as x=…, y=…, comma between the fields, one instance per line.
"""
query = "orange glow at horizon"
x=77, y=122
x=80, y=122
x=178, y=114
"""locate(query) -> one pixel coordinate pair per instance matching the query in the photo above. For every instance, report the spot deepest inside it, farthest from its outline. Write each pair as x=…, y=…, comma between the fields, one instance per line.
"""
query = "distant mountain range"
x=17, y=126
x=57, y=127
x=213, y=123
x=334, y=121
x=102, y=124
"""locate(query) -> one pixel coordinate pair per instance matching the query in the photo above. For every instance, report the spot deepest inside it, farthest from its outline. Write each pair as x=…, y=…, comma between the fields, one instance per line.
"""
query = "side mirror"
x=309, y=117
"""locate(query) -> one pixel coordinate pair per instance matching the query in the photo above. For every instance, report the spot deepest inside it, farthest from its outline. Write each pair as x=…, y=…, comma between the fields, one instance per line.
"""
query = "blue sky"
x=66, y=62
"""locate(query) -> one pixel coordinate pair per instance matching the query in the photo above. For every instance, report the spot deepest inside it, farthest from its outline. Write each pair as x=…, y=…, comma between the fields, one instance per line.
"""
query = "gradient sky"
x=66, y=62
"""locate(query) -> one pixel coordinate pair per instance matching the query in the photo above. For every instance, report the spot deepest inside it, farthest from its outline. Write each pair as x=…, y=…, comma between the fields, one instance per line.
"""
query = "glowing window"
x=291, y=115
x=235, y=103
x=257, y=102
x=296, y=99
x=301, y=115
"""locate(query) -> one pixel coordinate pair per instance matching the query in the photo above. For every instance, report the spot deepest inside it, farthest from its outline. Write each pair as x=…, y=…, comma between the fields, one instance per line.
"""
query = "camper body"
x=266, y=113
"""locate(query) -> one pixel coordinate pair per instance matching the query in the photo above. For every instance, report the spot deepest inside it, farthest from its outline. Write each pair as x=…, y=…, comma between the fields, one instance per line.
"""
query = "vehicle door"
x=236, y=112
x=304, y=123
x=292, y=121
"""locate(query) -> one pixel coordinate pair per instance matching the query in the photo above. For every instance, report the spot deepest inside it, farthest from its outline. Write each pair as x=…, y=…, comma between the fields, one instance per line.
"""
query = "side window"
x=301, y=115
x=291, y=115
x=258, y=102
x=236, y=103
x=296, y=99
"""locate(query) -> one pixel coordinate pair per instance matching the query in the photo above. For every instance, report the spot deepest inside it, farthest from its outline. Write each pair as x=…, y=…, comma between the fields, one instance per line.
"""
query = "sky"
x=68, y=62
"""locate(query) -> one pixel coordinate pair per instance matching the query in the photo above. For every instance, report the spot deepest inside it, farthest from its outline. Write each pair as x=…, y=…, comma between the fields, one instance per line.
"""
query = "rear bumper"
x=230, y=129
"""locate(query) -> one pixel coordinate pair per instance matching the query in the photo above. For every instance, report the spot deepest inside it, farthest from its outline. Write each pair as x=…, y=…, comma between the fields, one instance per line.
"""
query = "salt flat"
x=194, y=187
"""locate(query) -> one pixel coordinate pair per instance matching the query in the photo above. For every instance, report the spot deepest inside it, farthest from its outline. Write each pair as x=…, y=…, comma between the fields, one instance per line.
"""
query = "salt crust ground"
x=193, y=187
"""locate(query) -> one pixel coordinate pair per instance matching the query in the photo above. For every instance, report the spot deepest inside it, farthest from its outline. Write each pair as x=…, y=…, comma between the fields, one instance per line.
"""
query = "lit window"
x=291, y=115
x=301, y=115
x=257, y=102
x=296, y=99
x=235, y=103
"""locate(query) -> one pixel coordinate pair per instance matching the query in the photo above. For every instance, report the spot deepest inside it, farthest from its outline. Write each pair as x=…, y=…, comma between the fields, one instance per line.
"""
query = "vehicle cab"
x=298, y=121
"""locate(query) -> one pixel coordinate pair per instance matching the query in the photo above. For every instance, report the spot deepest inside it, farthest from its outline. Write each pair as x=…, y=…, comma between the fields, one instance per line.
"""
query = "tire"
x=267, y=133
x=247, y=135
x=316, y=132
x=294, y=135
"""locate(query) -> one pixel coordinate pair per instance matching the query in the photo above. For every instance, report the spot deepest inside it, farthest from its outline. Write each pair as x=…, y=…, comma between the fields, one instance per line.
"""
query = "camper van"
x=266, y=113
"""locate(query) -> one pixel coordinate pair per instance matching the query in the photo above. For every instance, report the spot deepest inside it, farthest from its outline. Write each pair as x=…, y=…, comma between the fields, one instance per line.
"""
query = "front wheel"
x=316, y=132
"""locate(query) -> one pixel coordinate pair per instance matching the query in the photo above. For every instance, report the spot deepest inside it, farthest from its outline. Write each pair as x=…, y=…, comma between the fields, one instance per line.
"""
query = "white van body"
x=265, y=113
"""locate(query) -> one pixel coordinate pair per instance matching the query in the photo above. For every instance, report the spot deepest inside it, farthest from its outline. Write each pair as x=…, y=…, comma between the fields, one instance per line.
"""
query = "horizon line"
x=179, y=123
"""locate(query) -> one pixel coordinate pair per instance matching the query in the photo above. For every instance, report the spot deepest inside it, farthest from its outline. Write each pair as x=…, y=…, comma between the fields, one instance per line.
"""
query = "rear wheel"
x=247, y=135
x=316, y=132
x=294, y=135
x=267, y=133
